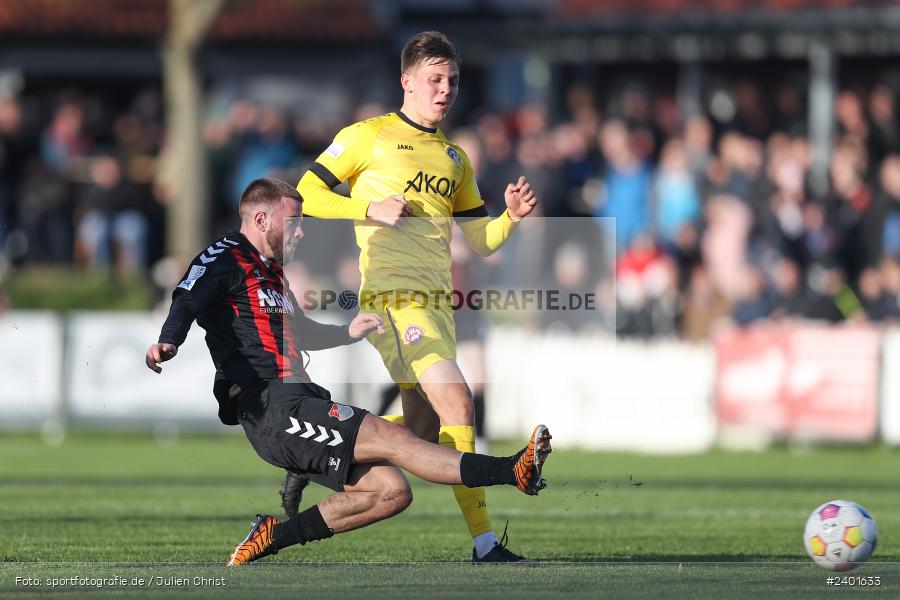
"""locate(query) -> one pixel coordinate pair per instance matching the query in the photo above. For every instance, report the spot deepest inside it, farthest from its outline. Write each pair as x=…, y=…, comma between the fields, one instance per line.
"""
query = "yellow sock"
x=398, y=419
x=471, y=500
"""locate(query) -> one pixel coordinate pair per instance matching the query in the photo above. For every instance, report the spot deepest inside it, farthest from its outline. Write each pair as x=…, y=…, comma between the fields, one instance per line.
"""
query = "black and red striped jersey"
x=255, y=328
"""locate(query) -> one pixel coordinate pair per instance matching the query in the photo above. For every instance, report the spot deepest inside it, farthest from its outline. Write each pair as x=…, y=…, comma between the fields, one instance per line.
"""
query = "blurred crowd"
x=680, y=221
x=76, y=180
x=712, y=218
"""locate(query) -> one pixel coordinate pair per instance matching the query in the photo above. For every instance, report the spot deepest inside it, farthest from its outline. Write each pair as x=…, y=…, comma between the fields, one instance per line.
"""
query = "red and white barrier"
x=799, y=381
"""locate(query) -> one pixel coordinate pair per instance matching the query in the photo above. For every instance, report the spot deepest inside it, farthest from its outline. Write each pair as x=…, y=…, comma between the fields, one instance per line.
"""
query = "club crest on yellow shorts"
x=413, y=335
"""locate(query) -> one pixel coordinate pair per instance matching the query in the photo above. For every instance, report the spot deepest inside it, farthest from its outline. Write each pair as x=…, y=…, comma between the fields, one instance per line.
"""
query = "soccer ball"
x=840, y=535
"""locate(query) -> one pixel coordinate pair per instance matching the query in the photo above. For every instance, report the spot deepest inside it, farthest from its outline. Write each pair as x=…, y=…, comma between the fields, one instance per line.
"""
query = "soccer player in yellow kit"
x=408, y=183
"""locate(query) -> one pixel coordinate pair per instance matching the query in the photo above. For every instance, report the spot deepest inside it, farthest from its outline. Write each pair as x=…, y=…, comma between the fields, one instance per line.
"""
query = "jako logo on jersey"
x=404, y=147
x=454, y=155
x=430, y=184
x=271, y=301
x=413, y=335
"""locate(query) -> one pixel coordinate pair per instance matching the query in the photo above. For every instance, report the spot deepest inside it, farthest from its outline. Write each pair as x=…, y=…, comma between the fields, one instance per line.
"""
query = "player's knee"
x=463, y=405
x=395, y=493
x=395, y=500
x=461, y=412
x=467, y=411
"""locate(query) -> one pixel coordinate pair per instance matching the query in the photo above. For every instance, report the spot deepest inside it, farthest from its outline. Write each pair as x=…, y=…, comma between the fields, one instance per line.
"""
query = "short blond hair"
x=265, y=191
x=428, y=45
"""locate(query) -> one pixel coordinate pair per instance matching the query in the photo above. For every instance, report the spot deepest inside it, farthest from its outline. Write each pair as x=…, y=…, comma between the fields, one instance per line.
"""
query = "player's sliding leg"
x=447, y=392
x=378, y=491
x=379, y=440
x=375, y=491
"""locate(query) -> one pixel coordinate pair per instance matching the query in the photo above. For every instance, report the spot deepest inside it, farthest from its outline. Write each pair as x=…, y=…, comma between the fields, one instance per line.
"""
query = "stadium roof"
x=652, y=30
x=269, y=20
x=581, y=8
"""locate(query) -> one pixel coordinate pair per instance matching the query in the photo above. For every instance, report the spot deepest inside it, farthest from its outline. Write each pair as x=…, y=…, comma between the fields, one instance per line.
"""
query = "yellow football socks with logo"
x=471, y=500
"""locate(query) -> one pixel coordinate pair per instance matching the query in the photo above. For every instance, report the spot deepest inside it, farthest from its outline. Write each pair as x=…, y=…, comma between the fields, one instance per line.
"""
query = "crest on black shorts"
x=341, y=412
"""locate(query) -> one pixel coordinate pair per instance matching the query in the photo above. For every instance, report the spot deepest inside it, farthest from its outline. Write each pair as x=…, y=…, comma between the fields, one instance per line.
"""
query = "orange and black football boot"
x=258, y=543
x=530, y=460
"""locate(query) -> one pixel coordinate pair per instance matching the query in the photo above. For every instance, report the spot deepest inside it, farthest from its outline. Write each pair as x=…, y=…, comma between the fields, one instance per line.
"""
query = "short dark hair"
x=266, y=191
x=428, y=45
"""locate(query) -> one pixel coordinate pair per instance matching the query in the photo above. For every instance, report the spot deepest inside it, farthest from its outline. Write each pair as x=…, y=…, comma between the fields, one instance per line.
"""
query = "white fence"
x=88, y=370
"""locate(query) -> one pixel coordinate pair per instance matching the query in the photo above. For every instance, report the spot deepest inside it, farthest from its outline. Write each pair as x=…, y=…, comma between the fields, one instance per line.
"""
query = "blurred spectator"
x=784, y=218
x=45, y=215
x=753, y=299
x=698, y=135
x=646, y=290
x=110, y=230
x=850, y=115
x=499, y=165
x=627, y=185
x=885, y=131
x=264, y=147
x=724, y=244
x=704, y=307
x=878, y=304
x=12, y=153
x=888, y=208
x=795, y=299
x=64, y=141
x=677, y=202
x=857, y=224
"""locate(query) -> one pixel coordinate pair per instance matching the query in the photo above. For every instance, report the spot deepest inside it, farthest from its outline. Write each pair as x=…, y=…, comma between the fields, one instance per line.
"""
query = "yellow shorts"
x=416, y=337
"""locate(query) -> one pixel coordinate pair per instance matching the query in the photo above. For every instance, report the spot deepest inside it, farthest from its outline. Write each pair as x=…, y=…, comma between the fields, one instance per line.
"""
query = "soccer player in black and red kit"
x=235, y=290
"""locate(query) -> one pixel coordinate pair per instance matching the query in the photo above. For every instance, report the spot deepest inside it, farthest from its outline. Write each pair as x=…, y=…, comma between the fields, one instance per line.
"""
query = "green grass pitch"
x=713, y=525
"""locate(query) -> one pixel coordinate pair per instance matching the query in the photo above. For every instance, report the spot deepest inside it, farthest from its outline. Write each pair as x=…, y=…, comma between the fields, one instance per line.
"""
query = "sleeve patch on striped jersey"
x=194, y=274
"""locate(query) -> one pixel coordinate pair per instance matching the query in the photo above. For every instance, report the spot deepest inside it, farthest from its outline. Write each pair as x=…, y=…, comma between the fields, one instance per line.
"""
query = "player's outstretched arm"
x=200, y=286
x=486, y=235
x=363, y=324
x=321, y=336
x=160, y=353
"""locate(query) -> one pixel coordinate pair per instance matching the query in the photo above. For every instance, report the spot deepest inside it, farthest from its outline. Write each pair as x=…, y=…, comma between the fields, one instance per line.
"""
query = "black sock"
x=479, y=470
x=307, y=526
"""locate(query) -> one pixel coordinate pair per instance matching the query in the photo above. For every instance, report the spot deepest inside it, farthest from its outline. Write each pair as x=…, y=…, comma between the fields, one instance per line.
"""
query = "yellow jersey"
x=392, y=155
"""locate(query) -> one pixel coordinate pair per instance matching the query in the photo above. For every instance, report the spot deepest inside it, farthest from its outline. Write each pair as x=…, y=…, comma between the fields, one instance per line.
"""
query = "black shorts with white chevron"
x=297, y=427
